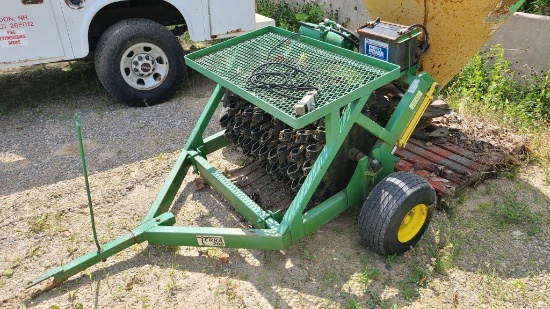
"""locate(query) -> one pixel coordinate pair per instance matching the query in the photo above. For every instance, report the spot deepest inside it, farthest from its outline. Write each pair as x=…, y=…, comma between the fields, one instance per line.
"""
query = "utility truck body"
x=43, y=31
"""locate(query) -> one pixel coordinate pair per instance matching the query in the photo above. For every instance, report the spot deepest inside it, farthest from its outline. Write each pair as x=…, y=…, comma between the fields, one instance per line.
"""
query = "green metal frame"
x=270, y=230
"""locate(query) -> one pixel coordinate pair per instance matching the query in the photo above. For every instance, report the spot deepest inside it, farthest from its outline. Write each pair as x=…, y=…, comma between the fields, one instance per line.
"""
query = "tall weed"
x=541, y=7
x=488, y=84
x=287, y=14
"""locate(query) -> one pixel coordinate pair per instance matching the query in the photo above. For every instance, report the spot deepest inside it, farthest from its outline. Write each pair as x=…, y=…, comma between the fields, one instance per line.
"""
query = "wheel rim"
x=144, y=66
x=412, y=223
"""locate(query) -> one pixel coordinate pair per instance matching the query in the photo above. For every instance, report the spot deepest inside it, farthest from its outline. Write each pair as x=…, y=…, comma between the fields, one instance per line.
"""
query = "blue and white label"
x=376, y=49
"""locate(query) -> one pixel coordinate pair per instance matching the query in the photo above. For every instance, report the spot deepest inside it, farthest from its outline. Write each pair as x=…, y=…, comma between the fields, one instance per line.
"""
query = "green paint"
x=340, y=106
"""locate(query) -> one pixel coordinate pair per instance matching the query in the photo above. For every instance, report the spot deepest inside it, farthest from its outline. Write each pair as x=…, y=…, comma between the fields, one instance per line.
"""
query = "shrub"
x=288, y=14
x=487, y=83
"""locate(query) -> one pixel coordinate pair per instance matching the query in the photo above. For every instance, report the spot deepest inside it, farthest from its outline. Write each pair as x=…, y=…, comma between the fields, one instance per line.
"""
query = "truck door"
x=28, y=32
x=231, y=16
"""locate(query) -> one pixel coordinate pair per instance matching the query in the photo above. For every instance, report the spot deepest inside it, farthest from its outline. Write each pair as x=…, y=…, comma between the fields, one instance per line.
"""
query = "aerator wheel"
x=396, y=213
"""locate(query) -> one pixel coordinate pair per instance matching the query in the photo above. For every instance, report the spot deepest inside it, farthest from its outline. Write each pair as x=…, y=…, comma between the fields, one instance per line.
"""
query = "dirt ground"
x=489, y=249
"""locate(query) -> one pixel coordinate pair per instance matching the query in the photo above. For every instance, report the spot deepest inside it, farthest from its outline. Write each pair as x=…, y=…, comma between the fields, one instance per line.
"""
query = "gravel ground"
x=475, y=254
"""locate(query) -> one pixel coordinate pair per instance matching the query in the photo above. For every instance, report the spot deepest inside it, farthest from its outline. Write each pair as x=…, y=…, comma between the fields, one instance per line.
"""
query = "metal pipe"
x=77, y=120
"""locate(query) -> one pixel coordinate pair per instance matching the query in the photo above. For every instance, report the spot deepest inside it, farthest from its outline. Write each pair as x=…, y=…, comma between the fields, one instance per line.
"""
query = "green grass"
x=487, y=84
x=511, y=211
x=541, y=7
x=38, y=224
x=307, y=255
x=287, y=14
x=367, y=274
x=352, y=303
x=487, y=88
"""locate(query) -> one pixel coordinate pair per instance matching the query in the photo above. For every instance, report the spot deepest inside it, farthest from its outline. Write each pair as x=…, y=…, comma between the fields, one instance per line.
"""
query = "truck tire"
x=140, y=62
x=396, y=213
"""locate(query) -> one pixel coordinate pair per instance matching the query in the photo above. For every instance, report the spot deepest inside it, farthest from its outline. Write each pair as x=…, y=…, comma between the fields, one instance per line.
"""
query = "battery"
x=389, y=42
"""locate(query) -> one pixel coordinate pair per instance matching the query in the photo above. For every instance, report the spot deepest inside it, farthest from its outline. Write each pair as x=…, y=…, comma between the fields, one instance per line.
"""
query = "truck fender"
x=192, y=11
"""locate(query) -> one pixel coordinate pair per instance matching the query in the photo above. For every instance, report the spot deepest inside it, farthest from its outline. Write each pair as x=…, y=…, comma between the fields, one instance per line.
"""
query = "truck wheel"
x=396, y=213
x=139, y=62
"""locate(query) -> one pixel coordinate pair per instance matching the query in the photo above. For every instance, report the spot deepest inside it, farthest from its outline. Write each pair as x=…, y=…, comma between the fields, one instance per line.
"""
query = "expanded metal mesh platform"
x=340, y=75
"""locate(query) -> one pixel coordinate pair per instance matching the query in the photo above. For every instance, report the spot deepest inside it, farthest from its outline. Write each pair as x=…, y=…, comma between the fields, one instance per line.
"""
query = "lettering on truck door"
x=28, y=31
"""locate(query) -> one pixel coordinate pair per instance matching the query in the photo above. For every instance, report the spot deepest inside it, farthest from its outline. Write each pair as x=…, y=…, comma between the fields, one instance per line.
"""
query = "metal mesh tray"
x=340, y=75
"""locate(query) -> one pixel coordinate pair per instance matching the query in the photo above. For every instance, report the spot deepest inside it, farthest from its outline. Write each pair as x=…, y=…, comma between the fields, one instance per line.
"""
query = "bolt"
x=374, y=165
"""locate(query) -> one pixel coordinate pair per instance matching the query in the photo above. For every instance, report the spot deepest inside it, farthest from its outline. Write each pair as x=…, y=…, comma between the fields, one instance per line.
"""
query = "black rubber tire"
x=125, y=34
x=385, y=208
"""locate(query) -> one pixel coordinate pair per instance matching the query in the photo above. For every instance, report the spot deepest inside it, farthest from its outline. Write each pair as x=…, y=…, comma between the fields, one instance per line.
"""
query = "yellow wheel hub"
x=412, y=223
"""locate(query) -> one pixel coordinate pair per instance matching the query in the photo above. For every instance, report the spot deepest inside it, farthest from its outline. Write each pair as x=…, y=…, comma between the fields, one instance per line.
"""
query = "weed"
x=171, y=286
x=229, y=288
x=369, y=274
x=72, y=295
x=442, y=252
x=510, y=172
x=443, y=260
x=351, y=303
x=392, y=259
x=277, y=303
x=8, y=273
x=145, y=302
x=364, y=276
x=287, y=14
x=308, y=255
x=70, y=249
x=488, y=85
x=330, y=279
x=541, y=7
x=418, y=276
x=375, y=273
x=512, y=211
x=38, y=224
x=407, y=290
x=167, y=248
x=520, y=285
x=375, y=300
x=33, y=251
x=484, y=206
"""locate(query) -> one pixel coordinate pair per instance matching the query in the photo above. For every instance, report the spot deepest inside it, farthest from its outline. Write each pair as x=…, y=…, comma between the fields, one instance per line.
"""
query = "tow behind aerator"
x=335, y=153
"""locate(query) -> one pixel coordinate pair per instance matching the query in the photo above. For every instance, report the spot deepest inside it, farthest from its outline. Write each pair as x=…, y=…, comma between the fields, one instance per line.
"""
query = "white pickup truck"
x=137, y=58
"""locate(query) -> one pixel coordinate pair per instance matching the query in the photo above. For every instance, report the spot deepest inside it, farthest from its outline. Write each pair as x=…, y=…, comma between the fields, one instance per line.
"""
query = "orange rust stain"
x=235, y=31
